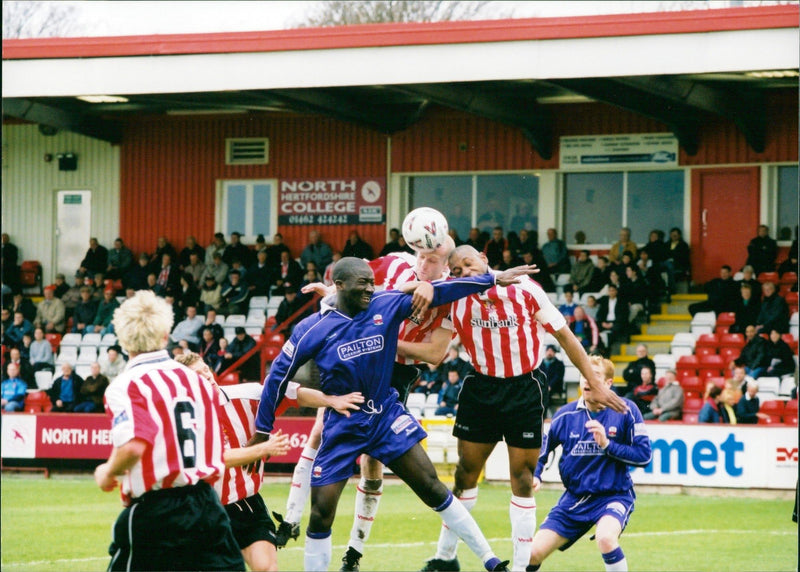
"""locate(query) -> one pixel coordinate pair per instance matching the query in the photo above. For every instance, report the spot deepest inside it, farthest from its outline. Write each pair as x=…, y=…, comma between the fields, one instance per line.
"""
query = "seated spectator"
x=614, y=279
x=612, y=316
x=66, y=389
x=555, y=253
x=240, y=345
x=168, y=276
x=749, y=277
x=136, y=277
x=748, y=406
x=188, y=295
x=710, y=412
x=23, y=367
x=102, y=323
x=677, y=264
x=211, y=294
x=7, y=320
x=18, y=328
x=585, y=329
x=261, y=243
x=655, y=249
x=14, y=390
x=590, y=307
x=728, y=401
x=90, y=396
x=740, y=381
x=722, y=293
x=774, y=311
x=632, y=374
x=568, y=307
x=581, y=274
x=51, y=313
x=600, y=276
x=120, y=260
x=188, y=329
x=316, y=250
x=543, y=277
x=195, y=268
x=357, y=247
x=185, y=257
x=240, y=268
x=779, y=355
x=453, y=361
x=211, y=322
x=217, y=246
x=290, y=304
x=762, y=251
x=448, y=396
x=508, y=261
x=19, y=303
x=96, y=258
x=259, y=275
x=157, y=258
x=209, y=348
x=528, y=241
x=216, y=269
x=747, y=309
x=288, y=272
x=653, y=282
x=234, y=295
x=275, y=249
x=624, y=244
x=494, y=248
x=236, y=250
x=475, y=240
x=60, y=285
x=635, y=292
x=554, y=369
x=668, y=404
x=112, y=364
x=41, y=352
x=85, y=311
x=645, y=392
x=754, y=353
x=223, y=349
x=96, y=285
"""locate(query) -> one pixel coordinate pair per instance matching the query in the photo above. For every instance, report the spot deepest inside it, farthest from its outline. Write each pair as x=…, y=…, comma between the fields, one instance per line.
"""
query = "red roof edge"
x=384, y=35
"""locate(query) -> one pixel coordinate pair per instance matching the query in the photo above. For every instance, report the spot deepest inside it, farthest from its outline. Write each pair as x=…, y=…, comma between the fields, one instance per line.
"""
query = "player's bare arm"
x=421, y=295
x=512, y=275
x=432, y=351
x=318, y=288
x=342, y=404
x=598, y=432
x=277, y=445
x=122, y=459
x=577, y=355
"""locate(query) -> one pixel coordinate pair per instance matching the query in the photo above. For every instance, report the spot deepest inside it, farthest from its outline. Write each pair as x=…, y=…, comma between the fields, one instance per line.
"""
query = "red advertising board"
x=332, y=201
x=86, y=436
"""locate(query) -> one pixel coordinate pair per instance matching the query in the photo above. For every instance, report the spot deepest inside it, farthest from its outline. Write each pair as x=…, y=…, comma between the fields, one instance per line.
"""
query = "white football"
x=425, y=229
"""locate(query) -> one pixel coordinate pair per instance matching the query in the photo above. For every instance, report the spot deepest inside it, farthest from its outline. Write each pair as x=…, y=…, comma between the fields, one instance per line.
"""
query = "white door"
x=73, y=230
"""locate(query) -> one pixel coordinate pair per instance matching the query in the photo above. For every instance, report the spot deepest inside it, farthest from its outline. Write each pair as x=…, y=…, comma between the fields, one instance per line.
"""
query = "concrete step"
x=666, y=328
x=653, y=347
x=650, y=338
x=676, y=317
x=677, y=307
x=689, y=297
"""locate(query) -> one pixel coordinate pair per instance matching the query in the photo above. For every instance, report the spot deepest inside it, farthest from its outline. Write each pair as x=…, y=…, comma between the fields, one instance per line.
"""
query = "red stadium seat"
x=791, y=298
x=731, y=341
x=37, y=402
x=789, y=278
x=274, y=339
x=662, y=381
x=269, y=353
x=690, y=417
x=726, y=319
x=712, y=363
x=692, y=405
x=30, y=275
x=707, y=341
x=693, y=386
x=718, y=381
x=790, y=412
x=702, y=351
x=55, y=341
x=773, y=407
x=729, y=354
x=769, y=420
x=231, y=378
x=270, y=323
x=719, y=330
x=768, y=277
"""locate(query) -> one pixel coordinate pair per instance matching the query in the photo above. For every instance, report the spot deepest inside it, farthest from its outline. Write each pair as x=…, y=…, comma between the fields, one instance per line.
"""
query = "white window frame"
x=221, y=210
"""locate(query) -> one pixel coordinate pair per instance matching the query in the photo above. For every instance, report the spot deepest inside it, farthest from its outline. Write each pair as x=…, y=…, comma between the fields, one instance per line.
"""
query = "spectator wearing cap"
x=102, y=323
x=120, y=260
x=217, y=246
x=236, y=250
x=51, y=313
x=290, y=304
x=238, y=346
x=112, y=364
x=218, y=269
x=60, y=285
x=234, y=295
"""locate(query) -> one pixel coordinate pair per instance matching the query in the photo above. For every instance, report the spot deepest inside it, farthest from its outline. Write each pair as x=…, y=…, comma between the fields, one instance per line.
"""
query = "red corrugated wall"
x=170, y=168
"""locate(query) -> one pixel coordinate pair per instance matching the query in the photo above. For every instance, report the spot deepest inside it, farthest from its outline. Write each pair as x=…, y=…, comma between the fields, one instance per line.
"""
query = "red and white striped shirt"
x=394, y=270
x=503, y=329
x=170, y=407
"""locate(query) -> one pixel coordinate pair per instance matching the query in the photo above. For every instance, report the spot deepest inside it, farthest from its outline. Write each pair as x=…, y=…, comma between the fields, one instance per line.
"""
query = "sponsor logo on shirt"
x=494, y=322
x=586, y=449
x=288, y=348
x=639, y=429
x=121, y=418
x=359, y=347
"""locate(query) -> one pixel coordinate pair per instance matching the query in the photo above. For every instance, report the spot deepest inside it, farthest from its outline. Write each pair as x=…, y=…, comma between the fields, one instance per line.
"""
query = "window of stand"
x=248, y=207
x=599, y=204
x=787, y=207
x=483, y=201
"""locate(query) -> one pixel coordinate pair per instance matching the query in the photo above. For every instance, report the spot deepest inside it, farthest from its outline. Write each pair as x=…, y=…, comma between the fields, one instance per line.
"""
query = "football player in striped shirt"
x=598, y=447
x=167, y=453
x=502, y=330
x=239, y=488
x=354, y=344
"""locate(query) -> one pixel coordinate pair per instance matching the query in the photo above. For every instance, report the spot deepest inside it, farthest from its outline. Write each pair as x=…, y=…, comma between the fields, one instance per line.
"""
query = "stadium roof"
x=676, y=67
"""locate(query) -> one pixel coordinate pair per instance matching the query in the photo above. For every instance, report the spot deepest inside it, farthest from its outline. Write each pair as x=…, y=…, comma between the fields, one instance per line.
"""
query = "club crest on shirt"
x=317, y=471
x=612, y=431
x=377, y=319
x=361, y=346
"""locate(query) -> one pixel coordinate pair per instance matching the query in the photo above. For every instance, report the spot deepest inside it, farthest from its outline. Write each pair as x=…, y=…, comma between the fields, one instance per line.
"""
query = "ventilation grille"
x=249, y=151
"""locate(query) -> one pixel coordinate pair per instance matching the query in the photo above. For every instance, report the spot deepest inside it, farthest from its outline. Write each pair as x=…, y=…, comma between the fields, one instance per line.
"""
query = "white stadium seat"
x=257, y=302
x=44, y=379
x=68, y=354
x=71, y=340
x=91, y=339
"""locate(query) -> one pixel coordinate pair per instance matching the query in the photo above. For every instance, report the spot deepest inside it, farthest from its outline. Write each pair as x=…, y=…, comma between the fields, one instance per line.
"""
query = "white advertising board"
x=618, y=152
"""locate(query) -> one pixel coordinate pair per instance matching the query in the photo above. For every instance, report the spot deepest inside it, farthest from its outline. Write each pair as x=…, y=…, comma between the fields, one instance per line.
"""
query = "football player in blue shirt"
x=598, y=447
x=354, y=343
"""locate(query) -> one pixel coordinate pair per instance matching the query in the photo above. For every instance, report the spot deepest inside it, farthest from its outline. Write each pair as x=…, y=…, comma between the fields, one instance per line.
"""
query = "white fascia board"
x=666, y=54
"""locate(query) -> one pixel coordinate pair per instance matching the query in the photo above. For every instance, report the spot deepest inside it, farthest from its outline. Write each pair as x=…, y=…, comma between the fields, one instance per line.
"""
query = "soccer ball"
x=425, y=229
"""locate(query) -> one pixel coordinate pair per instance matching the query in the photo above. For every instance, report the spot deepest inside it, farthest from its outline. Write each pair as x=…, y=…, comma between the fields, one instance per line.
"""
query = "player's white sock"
x=301, y=485
x=522, y=512
x=368, y=496
x=460, y=523
x=318, y=551
x=615, y=560
x=448, y=540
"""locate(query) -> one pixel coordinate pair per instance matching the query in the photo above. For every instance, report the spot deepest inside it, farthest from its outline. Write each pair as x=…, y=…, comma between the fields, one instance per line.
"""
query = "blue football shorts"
x=573, y=516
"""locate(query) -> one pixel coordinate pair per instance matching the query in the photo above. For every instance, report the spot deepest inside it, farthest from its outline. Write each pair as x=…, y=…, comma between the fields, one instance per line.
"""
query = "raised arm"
x=430, y=352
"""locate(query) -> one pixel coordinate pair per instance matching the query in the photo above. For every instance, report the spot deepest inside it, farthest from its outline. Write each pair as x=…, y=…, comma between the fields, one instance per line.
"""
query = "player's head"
x=142, y=323
x=433, y=265
x=466, y=261
x=194, y=362
x=604, y=369
x=355, y=284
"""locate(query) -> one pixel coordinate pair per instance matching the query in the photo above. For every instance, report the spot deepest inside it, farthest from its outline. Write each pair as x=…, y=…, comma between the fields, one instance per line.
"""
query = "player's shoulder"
x=250, y=391
x=565, y=413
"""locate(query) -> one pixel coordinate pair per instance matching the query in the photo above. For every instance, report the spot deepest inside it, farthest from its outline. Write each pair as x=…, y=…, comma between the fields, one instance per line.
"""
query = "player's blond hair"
x=188, y=358
x=606, y=365
x=143, y=322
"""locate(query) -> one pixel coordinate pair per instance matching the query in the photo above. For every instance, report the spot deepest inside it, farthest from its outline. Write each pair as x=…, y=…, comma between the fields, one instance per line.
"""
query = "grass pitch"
x=64, y=523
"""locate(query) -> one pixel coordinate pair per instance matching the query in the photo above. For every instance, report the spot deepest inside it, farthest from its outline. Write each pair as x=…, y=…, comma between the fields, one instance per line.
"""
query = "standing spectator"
x=624, y=244
x=656, y=248
x=113, y=363
x=749, y=277
x=168, y=277
x=217, y=246
x=780, y=356
x=275, y=249
x=586, y=331
x=774, y=312
x=217, y=269
x=41, y=352
x=762, y=251
x=195, y=267
x=173, y=518
x=677, y=263
x=234, y=295
x=185, y=257
x=96, y=258
x=157, y=258
x=554, y=369
x=448, y=396
x=748, y=406
x=60, y=285
x=316, y=251
x=236, y=250
x=355, y=247
x=136, y=277
x=14, y=390
x=722, y=294
x=85, y=311
x=10, y=255
x=259, y=275
x=18, y=328
x=51, y=313
x=612, y=316
x=90, y=398
x=120, y=260
x=555, y=253
x=668, y=404
x=633, y=373
x=493, y=250
x=394, y=243
x=105, y=313
x=188, y=329
x=581, y=274
x=747, y=309
x=754, y=353
x=65, y=390
x=287, y=273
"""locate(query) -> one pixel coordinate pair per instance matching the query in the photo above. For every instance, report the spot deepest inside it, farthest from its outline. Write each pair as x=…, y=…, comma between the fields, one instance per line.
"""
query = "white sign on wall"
x=604, y=152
